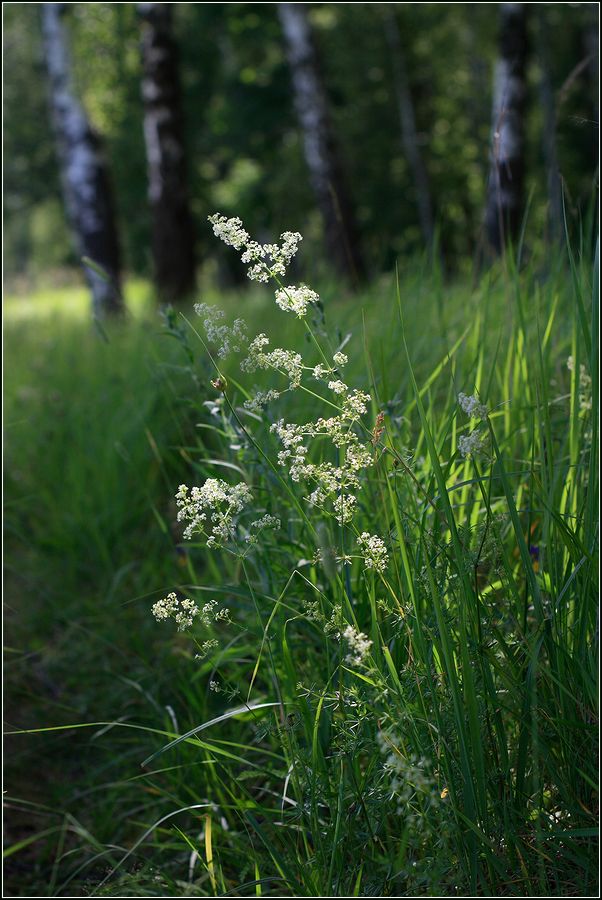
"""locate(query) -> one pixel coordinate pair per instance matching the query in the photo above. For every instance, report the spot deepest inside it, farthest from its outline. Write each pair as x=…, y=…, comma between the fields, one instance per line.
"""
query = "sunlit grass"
x=71, y=302
x=483, y=655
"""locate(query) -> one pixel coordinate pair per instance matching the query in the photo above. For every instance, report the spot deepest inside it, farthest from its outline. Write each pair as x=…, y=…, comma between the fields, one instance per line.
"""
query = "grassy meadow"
x=415, y=717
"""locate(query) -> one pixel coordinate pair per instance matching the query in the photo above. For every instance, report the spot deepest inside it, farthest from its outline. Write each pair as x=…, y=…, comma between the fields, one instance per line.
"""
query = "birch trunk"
x=505, y=195
x=173, y=241
x=320, y=152
x=409, y=136
x=85, y=182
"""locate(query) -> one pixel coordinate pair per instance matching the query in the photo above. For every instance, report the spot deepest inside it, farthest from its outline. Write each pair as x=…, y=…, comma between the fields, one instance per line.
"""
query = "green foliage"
x=244, y=147
x=106, y=51
x=458, y=758
x=31, y=178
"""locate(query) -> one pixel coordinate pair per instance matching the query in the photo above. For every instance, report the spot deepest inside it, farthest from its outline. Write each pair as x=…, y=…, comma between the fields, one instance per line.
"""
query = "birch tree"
x=173, y=242
x=84, y=176
x=505, y=194
x=321, y=154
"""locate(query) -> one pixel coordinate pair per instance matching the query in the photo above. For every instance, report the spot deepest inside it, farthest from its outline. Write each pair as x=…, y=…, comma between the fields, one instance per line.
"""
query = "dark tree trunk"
x=85, y=181
x=505, y=195
x=320, y=151
x=409, y=136
x=173, y=233
x=548, y=106
x=592, y=48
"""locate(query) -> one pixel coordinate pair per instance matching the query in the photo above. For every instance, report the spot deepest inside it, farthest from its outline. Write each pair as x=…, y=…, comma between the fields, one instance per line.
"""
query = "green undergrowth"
x=454, y=752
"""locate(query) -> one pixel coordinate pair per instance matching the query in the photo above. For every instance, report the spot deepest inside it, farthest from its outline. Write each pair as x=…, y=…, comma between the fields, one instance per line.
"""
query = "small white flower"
x=470, y=443
x=266, y=260
x=260, y=525
x=375, y=552
x=205, y=647
x=358, y=456
x=182, y=611
x=228, y=338
x=356, y=404
x=261, y=399
x=339, y=387
x=408, y=774
x=340, y=359
x=211, y=509
x=284, y=361
x=296, y=299
x=230, y=231
x=472, y=406
x=358, y=645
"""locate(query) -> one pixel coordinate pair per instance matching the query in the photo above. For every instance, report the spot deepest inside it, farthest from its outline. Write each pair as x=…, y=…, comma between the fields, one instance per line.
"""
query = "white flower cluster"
x=358, y=645
x=375, y=552
x=470, y=443
x=211, y=509
x=183, y=611
x=322, y=372
x=266, y=260
x=229, y=338
x=260, y=400
x=334, y=485
x=409, y=774
x=206, y=648
x=296, y=299
x=230, y=231
x=210, y=613
x=585, y=385
x=260, y=525
x=284, y=361
x=472, y=406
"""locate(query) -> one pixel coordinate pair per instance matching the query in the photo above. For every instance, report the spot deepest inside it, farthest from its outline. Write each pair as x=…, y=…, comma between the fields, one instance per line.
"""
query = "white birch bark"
x=320, y=152
x=84, y=177
x=505, y=195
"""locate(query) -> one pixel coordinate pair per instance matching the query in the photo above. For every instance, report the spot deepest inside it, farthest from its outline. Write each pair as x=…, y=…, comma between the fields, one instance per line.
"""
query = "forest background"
x=244, y=145
x=441, y=163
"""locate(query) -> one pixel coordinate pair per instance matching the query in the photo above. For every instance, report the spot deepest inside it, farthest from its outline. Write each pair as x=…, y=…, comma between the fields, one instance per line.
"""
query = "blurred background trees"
x=173, y=240
x=506, y=187
x=87, y=192
x=410, y=140
x=421, y=72
x=321, y=153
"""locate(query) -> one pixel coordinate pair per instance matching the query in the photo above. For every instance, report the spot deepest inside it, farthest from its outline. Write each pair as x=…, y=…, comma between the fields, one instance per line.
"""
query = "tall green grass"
x=480, y=689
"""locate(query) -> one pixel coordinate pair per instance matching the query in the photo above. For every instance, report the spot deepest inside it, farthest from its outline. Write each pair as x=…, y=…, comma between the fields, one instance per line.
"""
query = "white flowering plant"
x=324, y=461
x=372, y=559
